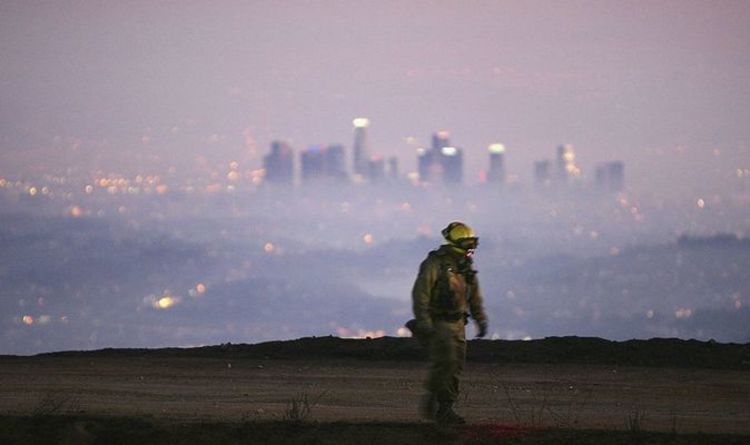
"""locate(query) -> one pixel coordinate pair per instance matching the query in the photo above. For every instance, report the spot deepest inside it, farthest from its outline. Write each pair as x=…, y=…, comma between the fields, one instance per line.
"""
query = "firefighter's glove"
x=481, y=329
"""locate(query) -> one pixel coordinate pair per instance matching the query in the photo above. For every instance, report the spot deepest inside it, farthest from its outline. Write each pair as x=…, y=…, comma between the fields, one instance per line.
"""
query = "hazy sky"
x=648, y=82
x=113, y=86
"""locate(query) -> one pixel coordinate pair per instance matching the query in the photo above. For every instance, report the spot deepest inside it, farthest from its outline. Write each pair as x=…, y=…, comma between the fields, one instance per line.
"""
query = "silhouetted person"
x=446, y=292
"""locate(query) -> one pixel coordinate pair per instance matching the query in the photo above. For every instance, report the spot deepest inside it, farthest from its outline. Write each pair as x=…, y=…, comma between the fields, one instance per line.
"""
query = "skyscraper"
x=611, y=176
x=440, y=139
x=496, y=172
x=452, y=160
x=442, y=161
x=393, y=168
x=335, y=162
x=323, y=163
x=279, y=163
x=566, y=164
x=425, y=164
x=541, y=172
x=361, y=154
x=376, y=169
x=312, y=163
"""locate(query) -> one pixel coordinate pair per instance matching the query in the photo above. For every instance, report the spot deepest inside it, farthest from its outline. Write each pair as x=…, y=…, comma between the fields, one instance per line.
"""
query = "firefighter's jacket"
x=446, y=290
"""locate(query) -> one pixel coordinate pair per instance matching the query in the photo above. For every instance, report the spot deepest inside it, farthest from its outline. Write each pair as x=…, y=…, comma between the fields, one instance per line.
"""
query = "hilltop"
x=656, y=352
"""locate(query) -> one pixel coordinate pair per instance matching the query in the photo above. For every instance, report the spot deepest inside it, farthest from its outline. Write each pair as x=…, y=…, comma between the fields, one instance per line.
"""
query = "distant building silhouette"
x=440, y=139
x=452, y=160
x=393, y=168
x=335, y=162
x=376, y=169
x=441, y=162
x=496, y=172
x=324, y=163
x=426, y=165
x=566, y=164
x=542, y=173
x=312, y=163
x=279, y=163
x=611, y=176
x=361, y=155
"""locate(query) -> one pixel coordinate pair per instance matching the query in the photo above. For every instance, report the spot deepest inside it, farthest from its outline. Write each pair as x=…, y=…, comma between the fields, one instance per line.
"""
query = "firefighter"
x=445, y=294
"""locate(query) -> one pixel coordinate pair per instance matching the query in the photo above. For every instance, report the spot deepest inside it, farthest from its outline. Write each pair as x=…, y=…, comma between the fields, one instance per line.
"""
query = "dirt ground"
x=193, y=389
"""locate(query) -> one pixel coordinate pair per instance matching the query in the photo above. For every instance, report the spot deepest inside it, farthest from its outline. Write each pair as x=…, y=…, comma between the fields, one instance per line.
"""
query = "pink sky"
x=637, y=80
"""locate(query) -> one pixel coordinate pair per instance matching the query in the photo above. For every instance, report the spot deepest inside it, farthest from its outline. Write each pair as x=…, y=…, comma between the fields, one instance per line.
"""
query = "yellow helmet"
x=460, y=236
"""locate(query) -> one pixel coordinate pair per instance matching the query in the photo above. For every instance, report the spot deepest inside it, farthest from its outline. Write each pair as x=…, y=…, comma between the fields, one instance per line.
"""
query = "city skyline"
x=660, y=87
x=137, y=139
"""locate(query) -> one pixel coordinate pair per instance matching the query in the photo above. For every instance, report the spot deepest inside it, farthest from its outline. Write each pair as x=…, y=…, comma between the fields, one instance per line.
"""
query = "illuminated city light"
x=89, y=189
x=76, y=212
x=233, y=175
x=33, y=191
x=234, y=165
x=650, y=313
x=269, y=247
x=497, y=148
x=166, y=302
x=413, y=178
x=449, y=151
x=161, y=189
x=368, y=238
x=27, y=320
x=737, y=304
x=405, y=206
x=701, y=203
x=3, y=182
x=359, y=333
x=403, y=332
x=683, y=312
x=200, y=288
x=361, y=122
x=257, y=176
x=44, y=319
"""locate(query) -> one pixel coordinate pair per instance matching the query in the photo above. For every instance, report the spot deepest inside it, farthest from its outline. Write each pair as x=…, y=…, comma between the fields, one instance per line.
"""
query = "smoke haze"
x=134, y=210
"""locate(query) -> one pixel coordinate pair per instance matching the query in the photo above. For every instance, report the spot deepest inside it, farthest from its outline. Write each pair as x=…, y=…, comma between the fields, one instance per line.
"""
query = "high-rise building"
x=566, y=164
x=313, y=163
x=393, y=168
x=611, y=176
x=440, y=139
x=441, y=162
x=496, y=172
x=425, y=165
x=361, y=154
x=335, y=162
x=376, y=169
x=452, y=160
x=279, y=163
x=324, y=163
x=541, y=172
